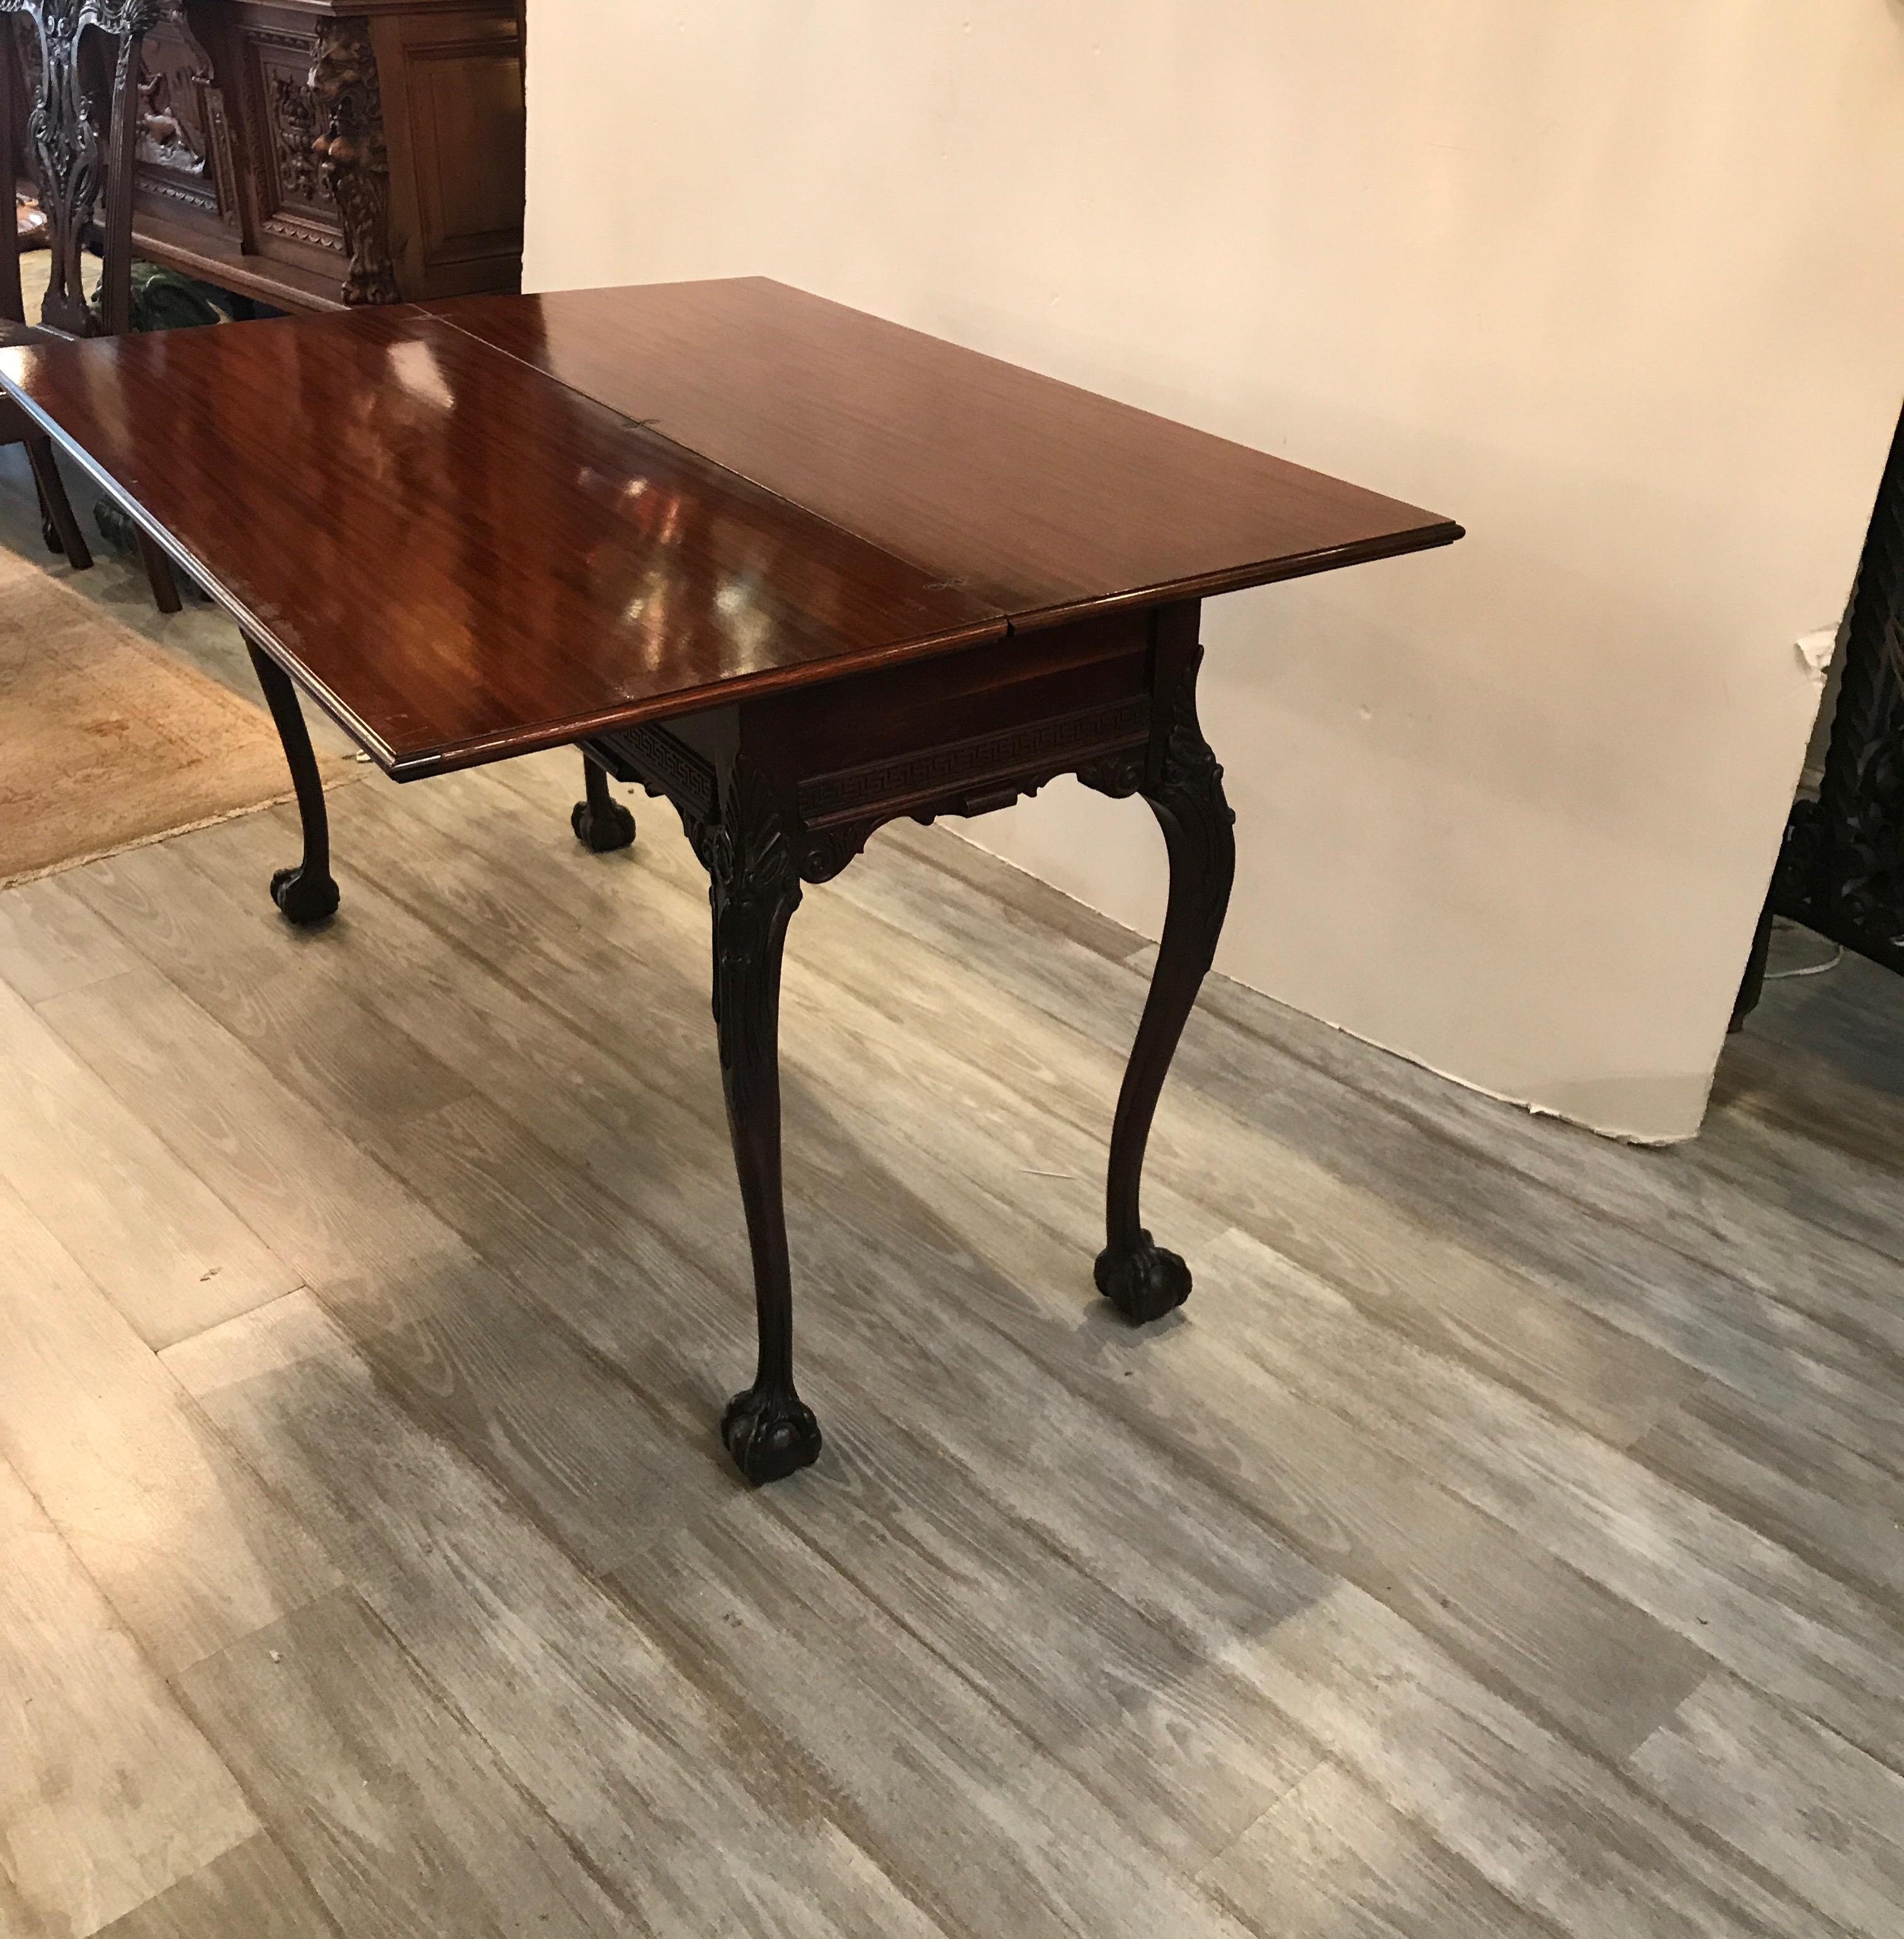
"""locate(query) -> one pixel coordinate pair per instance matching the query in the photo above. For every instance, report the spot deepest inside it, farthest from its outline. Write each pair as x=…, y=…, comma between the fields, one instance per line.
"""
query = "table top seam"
x=649, y=427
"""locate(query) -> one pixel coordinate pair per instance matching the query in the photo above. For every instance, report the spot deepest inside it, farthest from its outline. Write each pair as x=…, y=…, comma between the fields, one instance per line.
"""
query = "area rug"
x=107, y=741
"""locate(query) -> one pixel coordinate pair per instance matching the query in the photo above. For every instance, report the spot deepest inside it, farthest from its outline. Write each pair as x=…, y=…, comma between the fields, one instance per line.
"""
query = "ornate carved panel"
x=653, y=756
x=183, y=141
x=268, y=144
x=295, y=202
x=293, y=133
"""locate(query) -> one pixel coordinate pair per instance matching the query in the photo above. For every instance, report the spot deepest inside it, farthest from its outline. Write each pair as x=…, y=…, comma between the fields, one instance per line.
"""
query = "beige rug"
x=106, y=741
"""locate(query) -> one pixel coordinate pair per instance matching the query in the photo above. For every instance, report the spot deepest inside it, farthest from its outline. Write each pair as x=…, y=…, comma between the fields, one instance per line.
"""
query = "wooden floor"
x=1506, y=1541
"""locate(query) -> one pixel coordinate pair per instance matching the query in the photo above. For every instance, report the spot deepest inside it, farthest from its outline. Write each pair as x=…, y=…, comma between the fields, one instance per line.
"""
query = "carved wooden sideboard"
x=313, y=154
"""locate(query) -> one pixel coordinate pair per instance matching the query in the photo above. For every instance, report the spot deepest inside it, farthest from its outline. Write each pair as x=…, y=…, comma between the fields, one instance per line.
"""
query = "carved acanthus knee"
x=753, y=865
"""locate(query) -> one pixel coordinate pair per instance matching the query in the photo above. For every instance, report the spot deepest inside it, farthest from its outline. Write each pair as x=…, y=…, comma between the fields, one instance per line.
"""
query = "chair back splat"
x=81, y=58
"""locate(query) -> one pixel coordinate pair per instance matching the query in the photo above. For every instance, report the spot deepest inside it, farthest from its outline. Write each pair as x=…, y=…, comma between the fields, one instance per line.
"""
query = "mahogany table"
x=799, y=571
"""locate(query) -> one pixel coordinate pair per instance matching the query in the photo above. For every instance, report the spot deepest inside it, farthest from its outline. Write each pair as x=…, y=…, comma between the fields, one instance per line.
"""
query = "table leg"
x=600, y=822
x=756, y=887
x=305, y=894
x=1184, y=788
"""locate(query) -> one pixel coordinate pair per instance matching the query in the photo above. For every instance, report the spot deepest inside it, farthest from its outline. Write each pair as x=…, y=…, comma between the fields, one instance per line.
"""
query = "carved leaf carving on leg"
x=753, y=889
x=754, y=884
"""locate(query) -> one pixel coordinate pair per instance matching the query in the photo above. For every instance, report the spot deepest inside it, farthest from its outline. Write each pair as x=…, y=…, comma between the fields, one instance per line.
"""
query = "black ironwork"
x=1841, y=869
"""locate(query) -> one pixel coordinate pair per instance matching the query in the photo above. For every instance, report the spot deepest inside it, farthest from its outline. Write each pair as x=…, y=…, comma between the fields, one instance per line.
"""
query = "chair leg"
x=63, y=534
x=158, y=572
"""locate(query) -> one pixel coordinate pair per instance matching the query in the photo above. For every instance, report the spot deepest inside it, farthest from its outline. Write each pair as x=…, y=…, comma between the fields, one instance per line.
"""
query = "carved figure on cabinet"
x=353, y=161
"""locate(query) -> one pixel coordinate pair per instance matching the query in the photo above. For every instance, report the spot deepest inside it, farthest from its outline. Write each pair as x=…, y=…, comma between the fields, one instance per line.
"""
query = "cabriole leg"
x=1139, y=1277
x=600, y=822
x=770, y=1431
x=305, y=894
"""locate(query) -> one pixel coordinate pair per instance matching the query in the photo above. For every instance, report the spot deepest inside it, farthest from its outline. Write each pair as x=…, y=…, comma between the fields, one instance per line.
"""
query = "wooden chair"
x=57, y=522
x=78, y=151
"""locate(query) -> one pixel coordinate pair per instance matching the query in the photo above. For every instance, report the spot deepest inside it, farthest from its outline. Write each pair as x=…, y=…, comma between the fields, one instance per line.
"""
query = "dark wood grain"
x=459, y=558
x=1033, y=495
x=463, y=554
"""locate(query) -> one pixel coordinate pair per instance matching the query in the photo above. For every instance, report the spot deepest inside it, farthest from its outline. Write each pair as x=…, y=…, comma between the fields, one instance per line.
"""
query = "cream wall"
x=1618, y=283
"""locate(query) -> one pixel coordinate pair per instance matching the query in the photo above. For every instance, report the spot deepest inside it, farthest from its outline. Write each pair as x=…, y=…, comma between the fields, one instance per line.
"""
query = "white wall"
x=1618, y=283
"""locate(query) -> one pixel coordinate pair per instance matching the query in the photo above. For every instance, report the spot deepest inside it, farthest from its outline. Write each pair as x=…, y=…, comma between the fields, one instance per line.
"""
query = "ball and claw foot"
x=599, y=832
x=1144, y=1284
x=770, y=1434
x=304, y=902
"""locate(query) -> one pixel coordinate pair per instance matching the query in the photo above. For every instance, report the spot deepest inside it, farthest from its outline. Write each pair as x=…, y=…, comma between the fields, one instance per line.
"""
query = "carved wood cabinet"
x=313, y=154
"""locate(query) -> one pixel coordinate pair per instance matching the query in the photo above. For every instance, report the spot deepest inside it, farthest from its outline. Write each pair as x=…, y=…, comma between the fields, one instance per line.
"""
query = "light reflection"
x=748, y=626
x=683, y=575
x=414, y=365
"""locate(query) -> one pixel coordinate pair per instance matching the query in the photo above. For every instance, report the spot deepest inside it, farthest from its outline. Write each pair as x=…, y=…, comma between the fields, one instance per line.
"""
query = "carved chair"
x=57, y=519
x=83, y=156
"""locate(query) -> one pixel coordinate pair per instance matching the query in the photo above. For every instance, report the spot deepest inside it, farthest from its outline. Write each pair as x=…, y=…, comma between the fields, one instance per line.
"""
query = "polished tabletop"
x=503, y=522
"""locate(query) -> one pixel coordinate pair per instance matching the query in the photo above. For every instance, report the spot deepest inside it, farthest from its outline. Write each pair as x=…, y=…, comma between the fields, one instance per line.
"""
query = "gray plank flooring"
x=1508, y=1539
x=251, y=1891
x=402, y=1819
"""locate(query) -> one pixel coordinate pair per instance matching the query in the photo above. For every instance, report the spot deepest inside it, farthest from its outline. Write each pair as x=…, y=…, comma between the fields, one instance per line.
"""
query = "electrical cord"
x=1831, y=962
